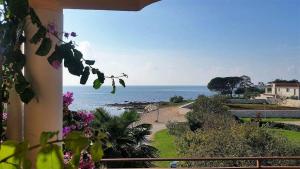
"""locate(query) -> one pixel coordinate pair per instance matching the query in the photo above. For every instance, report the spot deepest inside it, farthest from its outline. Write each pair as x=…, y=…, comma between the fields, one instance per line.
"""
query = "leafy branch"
x=50, y=154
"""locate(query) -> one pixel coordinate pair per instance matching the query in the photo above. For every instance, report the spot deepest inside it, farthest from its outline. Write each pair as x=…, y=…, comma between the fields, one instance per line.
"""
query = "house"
x=282, y=90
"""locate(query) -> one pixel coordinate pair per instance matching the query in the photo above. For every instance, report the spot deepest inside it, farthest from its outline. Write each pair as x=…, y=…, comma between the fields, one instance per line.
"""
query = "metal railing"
x=258, y=161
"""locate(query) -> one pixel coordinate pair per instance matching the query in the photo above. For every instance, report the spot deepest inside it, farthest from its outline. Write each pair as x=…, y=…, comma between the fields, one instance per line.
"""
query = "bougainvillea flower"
x=68, y=99
x=56, y=64
x=73, y=34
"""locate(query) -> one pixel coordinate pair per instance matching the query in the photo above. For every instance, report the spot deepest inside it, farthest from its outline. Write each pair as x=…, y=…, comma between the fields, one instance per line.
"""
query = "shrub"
x=176, y=99
x=209, y=112
x=237, y=141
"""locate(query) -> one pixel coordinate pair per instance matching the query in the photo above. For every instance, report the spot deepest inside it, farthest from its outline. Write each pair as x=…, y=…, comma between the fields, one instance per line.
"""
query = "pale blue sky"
x=188, y=42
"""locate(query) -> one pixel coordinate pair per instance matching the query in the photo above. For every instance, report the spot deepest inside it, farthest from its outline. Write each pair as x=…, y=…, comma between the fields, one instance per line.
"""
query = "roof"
x=119, y=5
x=287, y=84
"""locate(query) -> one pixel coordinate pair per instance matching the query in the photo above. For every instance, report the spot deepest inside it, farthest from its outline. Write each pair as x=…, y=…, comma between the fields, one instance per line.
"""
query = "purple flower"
x=66, y=35
x=66, y=131
x=51, y=28
x=73, y=34
x=68, y=98
x=56, y=64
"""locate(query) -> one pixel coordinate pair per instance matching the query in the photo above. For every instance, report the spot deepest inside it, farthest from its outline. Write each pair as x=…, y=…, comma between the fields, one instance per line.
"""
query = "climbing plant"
x=14, y=15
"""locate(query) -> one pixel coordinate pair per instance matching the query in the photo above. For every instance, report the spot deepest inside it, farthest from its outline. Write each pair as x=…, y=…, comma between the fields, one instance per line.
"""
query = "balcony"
x=258, y=161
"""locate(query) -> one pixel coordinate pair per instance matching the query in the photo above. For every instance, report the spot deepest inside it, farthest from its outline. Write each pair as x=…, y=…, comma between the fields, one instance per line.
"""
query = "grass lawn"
x=259, y=107
x=273, y=119
x=293, y=136
x=164, y=142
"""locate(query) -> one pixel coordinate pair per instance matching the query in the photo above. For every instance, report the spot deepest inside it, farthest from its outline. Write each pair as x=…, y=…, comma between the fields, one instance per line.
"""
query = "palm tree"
x=127, y=136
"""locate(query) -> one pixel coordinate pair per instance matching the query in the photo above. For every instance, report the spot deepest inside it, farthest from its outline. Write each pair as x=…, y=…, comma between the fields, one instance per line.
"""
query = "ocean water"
x=87, y=98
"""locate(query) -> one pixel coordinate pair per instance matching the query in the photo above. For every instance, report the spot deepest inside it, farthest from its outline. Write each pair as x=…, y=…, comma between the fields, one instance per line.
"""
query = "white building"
x=283, y=90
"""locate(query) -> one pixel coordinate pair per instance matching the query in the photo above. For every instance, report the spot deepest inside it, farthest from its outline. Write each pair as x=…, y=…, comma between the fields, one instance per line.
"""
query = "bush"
x=211, y=131
x=176, y=99
x=209, y=113
x=237, y=141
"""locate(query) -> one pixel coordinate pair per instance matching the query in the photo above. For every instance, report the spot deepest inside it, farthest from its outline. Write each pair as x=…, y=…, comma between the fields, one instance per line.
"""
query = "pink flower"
x=56, y=64
x=86, y=162
x=51, y=28
x=4, y=116
x=68, y=99
x=86, y=117
x=67, y=157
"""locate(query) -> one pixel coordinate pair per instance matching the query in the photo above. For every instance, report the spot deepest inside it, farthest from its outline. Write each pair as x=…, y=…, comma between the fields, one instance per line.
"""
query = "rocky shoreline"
x=134, y=105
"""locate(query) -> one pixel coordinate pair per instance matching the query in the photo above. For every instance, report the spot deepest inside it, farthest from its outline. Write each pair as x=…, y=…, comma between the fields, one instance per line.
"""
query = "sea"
x=87, y=98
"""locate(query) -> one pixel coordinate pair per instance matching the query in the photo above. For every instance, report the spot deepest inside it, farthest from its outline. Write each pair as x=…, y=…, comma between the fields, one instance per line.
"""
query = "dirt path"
x=165, y=115
x=291, y=122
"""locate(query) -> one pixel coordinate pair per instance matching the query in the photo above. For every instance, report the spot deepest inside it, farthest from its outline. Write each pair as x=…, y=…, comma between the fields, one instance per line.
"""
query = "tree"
x=176, y=99
x=224, y=85
x=246, y=82
x=128, y=138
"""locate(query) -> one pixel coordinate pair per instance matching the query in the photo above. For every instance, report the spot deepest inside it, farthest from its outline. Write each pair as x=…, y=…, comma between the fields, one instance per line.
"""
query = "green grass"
x=258, y=107
x=164, y=142
x=273, y=119
x=293, y=136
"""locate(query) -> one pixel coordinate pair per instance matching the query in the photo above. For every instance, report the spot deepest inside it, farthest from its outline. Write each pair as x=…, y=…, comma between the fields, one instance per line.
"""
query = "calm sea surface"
x=87, y=98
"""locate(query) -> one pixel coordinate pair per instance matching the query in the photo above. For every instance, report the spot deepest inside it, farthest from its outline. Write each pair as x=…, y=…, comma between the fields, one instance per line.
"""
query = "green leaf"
x=113, y=87
x=85, y=75
x=101, y=76
x=94, y=71
x=7, y=149
x=76, y=142
x=89, y=62
x=50, y=157
x=96, y=151
x=21, y=83
x=45, y=47
x=122, y=82
x=97, y=84
x=18, y=8
x=77, y=54
x=46, y=136
x=40, y=34
x=34, y=18
x=27, y=95
x=55, y=56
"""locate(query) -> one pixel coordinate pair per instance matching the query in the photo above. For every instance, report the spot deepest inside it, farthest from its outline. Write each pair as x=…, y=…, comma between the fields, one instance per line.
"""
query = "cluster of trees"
x=176, y=99
x=234, y=85
x=210, y=131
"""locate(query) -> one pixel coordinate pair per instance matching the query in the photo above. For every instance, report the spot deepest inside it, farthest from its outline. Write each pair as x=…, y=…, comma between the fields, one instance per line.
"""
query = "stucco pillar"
x=14, y=117
x=44, y=112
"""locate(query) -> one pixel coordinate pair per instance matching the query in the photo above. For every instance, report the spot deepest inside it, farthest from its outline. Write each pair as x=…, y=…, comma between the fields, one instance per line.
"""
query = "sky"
x=189, y=42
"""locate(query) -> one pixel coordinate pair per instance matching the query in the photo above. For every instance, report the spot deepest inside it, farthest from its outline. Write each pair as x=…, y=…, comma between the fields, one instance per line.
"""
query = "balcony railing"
x=258, y=161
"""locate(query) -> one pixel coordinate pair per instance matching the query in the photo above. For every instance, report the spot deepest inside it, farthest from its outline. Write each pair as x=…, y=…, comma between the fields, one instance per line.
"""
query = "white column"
x=14, y=129
x=44, y=113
